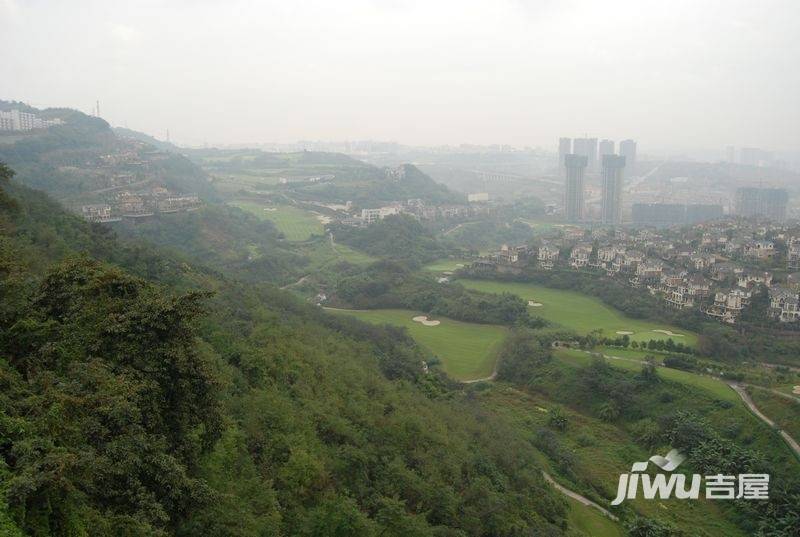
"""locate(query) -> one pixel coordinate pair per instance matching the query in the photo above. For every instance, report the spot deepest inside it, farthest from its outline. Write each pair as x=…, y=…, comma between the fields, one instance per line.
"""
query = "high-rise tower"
x=575, y=166
x=606, y=147
x=564, y=148
x=588, y=148
x=627, y=149
x=613, y=168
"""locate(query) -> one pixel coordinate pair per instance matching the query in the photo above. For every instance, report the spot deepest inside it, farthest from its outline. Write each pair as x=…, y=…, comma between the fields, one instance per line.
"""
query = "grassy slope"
x=466, y=349
x=295, y=224
x=716, y=387
x=587, y=521
x=783, y=411
x=580, y=312
x=602, y=451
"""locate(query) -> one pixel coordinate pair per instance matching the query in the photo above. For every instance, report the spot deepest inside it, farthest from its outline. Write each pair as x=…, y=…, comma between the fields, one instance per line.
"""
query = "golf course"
x=582, y=313
x=467, y=350
x=296, y=224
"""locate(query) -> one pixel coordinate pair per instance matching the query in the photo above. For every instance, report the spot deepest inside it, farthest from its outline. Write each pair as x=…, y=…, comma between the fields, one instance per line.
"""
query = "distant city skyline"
x=419, y=73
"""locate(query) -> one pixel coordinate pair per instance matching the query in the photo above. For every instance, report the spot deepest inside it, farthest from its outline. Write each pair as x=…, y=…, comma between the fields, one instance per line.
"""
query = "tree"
x=556, y=419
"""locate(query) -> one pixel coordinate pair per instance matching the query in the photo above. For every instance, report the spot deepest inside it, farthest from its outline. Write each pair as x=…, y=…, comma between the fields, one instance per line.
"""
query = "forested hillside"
x=83, y=157
x=143, y=395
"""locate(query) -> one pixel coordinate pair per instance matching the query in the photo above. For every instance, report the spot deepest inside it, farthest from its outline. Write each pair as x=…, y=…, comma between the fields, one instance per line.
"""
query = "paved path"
x=754, y=409
x=298, y=282
x=577, y=497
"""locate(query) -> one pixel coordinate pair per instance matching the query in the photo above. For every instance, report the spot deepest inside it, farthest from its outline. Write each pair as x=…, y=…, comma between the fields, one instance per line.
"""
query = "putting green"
x=583, y=313
x=467, y=350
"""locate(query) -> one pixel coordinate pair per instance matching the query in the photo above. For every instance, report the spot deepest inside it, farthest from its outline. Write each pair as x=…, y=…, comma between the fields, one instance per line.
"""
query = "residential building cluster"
x=127, y=205
x=716, y=268
x=17, y=120
x=418, y=209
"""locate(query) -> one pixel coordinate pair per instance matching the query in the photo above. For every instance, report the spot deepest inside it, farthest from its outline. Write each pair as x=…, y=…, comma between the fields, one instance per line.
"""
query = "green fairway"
x=295, y=224
x=446, y=265
x=467, y=350
x=582, y=313
x=716, y=387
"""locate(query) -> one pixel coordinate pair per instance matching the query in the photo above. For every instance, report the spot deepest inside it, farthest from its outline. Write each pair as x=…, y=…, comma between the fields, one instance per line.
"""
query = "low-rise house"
x=793, y=253
x=784, y=304
x=579, y=257
x=648, y=272
x=547, y=256
x=761, y=249
x=748, y=279
x=793, y=281
x=725, y=271
x=728, y=306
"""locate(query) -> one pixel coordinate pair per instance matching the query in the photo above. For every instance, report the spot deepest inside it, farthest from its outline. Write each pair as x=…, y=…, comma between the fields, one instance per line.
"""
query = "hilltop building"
x=16, y=120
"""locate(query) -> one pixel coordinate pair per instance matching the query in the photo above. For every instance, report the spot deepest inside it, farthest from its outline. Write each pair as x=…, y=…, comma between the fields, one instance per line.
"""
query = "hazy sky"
x=674, y=75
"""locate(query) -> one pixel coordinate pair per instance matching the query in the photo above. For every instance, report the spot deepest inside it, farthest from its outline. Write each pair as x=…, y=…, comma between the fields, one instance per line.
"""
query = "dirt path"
x=298, y=282
x=484, y=379
x=754, y=409
x=577, y=497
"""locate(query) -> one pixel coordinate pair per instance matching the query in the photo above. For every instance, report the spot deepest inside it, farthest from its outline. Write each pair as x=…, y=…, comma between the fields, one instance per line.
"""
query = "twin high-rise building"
x=575, y=166
x=578, y=155
x=613, y=173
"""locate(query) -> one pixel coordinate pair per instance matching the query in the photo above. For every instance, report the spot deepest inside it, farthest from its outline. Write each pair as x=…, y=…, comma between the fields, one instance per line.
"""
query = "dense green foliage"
x=133, y=406
x=224, y=238
x=662, y=414
x=66, y=160
x=388, y=284
x=489, y=233
x=395, y=237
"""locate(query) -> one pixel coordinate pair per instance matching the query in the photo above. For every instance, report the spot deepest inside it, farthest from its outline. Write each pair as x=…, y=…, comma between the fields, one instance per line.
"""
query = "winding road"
x=754, y=409
x=577, y=497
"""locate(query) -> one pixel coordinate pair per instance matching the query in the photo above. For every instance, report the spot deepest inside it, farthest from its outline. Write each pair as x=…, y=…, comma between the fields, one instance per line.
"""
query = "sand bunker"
x=424, y=320
x=459, y=264
x=448, y=272
x=624, y=333
x=534, y=304
x=668, y=333
x=270, y=209
x=796, y=390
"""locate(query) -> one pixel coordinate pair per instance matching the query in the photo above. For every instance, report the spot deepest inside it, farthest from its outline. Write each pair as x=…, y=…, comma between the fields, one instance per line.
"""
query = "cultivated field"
x=296, y=224
x=467, y=350
x=582, y=313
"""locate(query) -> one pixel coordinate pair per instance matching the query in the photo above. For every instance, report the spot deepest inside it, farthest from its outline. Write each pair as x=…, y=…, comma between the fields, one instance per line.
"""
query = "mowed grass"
x=467, y=350
x=715, y=387
x=446, y=265
x=295, y=224
x=582, y=313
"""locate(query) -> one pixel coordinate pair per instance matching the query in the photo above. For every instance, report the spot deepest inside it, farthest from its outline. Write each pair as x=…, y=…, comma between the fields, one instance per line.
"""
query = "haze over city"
x=677, y=76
